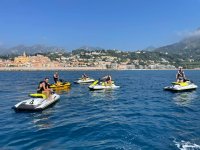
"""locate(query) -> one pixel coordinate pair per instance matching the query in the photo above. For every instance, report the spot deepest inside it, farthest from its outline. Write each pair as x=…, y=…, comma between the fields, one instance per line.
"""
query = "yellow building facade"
x=21, y=59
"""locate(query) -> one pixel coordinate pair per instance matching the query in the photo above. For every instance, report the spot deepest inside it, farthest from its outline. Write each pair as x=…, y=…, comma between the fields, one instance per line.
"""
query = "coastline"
x=48, y=68
x=71, y=69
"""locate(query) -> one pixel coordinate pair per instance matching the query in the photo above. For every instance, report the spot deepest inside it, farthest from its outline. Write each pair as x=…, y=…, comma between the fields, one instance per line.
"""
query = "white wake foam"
x=184, y=145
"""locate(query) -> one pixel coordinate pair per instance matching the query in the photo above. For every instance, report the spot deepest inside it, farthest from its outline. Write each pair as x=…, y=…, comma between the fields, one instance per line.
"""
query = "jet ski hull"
x=181, y=88
x=36, y=104
x=81, y=81
x=101, y=87
x=60, y=86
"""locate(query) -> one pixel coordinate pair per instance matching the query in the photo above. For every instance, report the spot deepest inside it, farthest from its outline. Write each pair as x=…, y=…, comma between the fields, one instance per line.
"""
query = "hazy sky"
x=115, y=24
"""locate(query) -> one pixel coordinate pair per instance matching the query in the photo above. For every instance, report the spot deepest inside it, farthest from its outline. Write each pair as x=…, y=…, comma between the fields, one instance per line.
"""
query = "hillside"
x=187, y=50
x=18, y=50
x=189, y=47
x=185, y=53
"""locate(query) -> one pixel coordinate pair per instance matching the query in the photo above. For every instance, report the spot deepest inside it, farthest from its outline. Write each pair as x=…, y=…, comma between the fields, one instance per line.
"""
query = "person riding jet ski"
x=43, y=88
x=106, y=80
x=55, y=77
x=103, y=83
x=84, y=76
x=180, y=76
x=109, y=80
x=181, y=84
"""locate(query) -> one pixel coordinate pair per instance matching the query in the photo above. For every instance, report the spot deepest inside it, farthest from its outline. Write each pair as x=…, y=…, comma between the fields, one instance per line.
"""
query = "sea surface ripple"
x=139, y=115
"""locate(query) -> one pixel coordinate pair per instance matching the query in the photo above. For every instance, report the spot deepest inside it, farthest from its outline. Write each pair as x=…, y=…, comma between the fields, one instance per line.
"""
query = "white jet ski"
x=181, y=86
x=102, y=85
x=36, y=103
x=86, y=80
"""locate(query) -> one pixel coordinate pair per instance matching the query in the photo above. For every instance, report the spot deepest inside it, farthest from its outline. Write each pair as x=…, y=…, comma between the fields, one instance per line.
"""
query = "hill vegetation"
x=185, y=53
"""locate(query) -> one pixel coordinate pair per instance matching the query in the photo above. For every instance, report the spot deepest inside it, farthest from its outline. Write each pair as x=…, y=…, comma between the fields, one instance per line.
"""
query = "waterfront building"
x=21, y=59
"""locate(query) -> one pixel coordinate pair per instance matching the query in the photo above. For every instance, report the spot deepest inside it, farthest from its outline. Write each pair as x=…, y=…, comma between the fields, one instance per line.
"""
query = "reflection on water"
x=42, y=120
x=103, y=95
x=139, y=115
x=185, y=98
x=62, y=90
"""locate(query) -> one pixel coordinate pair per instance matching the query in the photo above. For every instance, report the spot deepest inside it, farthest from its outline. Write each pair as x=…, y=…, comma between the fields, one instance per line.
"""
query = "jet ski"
x=84, y=80
x=60, y=84
x=181, y=86
x=37, y=102
x=102, y=85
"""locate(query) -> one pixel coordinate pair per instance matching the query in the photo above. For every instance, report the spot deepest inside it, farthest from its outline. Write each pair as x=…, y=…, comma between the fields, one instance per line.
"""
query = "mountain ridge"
x=188, y=48
x=37, y=48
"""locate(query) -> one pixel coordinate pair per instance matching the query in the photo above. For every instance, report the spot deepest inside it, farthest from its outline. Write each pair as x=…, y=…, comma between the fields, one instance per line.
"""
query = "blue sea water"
x=137, y=116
